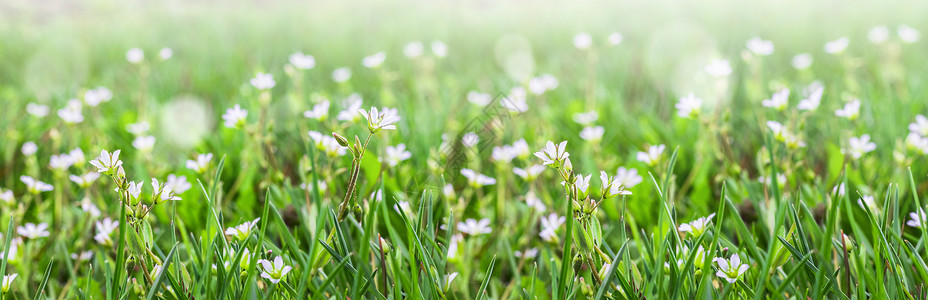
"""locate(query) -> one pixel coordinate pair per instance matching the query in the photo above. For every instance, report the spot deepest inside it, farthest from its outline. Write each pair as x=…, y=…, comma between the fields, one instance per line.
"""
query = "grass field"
x=472, y=150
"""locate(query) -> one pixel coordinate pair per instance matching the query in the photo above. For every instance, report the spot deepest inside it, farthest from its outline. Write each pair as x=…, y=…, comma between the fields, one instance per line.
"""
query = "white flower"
x=730, y=269
x=319, y=112
x=592, y=134
x=781, y=179
x=413, y=49
x=350, y=113
x=139, y=128
x=858, y=146
x=760, y=46
x=615, y=38
x=85, y=180
x=235, y=117
x=83, y=256
x=453, y=245
x=71, y=113
x=520, y=148
x=97, y=95
x=201, y=164
x=448, y=190
x=263, y=81
x=586, y=118
x=7, y=282
x=107, y=162
x=6, y=196
x=395, y=155
x=165, y=53
x=439, y=48
x=474, y=227
x=837, y=46
x=917, y=219
x=534, y=202
x=33, y=231
x=851, y=110
x=375, y=60
x=105, y=229
x=920, y=126
x=529, y=253
x=916, y=142
x=549, y=226
x=302, y=61
x=697, y=227
x=718, y=68
x=478, y=98
x=38, y=110
x=448, y=279
x=88, y=207
x=402, y=206
x=29, y=148
x=814, y=99
x=60, y=162
x=274, y=271
x=541, y=84
x=134, y=189
x=582, y=183
x=878, y=34
x=583, y=40
x=552, y=154
x=242, y=231
x=530, y=172
x=868, y=201
x=14, y=248
x=144, y=143
x=689, y=106
x=477, y=180
x=627, y=178
x=383, y=119
x=328, y=144
x=341, y=74
x=778, y=101
x=839, y=190
x=470, y=139
x=515, y=101
x=504, y=154
x=653, y=156
x=135, y=55
x=162, y=193
x=802, y=61
x=907, y=34
x=610, y=187
x=35, y=186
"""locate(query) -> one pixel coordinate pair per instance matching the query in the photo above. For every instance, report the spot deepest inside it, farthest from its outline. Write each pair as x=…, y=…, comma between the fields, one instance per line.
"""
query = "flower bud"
x=341, y=139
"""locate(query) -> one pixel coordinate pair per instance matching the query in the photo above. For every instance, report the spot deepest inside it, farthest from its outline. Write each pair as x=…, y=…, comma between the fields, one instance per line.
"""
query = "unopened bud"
x=341, y=139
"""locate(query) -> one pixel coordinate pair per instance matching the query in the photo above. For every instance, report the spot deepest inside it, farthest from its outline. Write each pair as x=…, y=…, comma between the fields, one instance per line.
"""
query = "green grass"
x=343, y=241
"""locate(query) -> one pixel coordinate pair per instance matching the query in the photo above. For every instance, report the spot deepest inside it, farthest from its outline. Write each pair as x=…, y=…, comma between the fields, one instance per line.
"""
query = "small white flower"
x=135, y=55
x=375, y=60
x=263, y=81
x=504, y=154
x=350, y=113
x=781, y=180
x=697, y=227
x=586, y=118
x=439, y=48
x=868, y=201
x=342, y=74
x=165, y=53
x=38, y=110
x=778, y=101
x=610, y=187
x=916, y=142
x=583, y=40
x=402, y=206
x=34, y=186
x=907, y=34
x=515, y=101
x=477, y=180
x=473, y=227
x=470, y=139
x=837, y=46
x=413, y=49
x=139, y=128
x=814, y=99
x=529, y=253
x=549, y=226
x=60, y=162
x=385, y=118
x=592, y=134
x=201, y=164
x=534, y=202
x=582, y=183
x=162, y=193
x=718, y=68
x=627, y=178
x=107, y=162
x=85, y=180
x=689, y=106
x=83, y=256
x=448, y=191
x=839, y=190
x=328, y=144
x=802, y=61
x=448, y=279
x=302, y=61
x=453, y=245
x=851, y=110
x=144, y=143
x=6, y=196
x=917, y=219
x=235, y=117
x=134, y=189
x=760, y=46
x=242, y=231
x=878, y=34
x=105, y=229
x=97, y=95
x=71, y=113
x=29, y=148
x=920, y=126
x=530, y=172
x=8, y=282
x=33, y=231
x=653, y=156
x=541, y=84
x=478, y=98
x=730, y=269
x=615, y=38
x=395, y=155
x=274, y=271
x=319, y=112
x=88, y=207
x=552, y=154
x=858, y=146
x=520, y=148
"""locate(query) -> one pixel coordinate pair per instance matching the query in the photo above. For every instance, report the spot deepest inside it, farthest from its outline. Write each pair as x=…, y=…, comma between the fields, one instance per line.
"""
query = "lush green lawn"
x=801, y=152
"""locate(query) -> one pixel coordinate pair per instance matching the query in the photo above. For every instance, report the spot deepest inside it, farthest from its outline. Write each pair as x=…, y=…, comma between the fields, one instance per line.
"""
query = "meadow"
x=438, y=150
